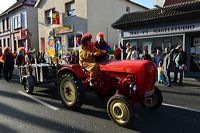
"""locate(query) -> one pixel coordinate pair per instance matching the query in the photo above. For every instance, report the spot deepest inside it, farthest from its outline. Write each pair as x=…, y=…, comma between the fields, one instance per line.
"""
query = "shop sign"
x=163, y=30
x=23, y=33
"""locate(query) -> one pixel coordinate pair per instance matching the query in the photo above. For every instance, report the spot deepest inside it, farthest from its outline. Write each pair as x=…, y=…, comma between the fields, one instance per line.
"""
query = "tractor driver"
x=87, y=54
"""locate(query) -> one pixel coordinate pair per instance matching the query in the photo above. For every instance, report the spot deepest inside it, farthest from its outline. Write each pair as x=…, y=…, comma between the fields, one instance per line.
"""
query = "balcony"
x=79, y=24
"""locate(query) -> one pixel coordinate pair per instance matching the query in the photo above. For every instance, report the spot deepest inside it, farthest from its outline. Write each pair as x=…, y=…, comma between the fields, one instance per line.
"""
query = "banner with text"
x=162, y=30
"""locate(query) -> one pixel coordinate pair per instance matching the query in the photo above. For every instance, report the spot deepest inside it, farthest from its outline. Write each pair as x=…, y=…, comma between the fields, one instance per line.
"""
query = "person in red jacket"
x=100, y=43
x=117, y=53
x=8, y=58
x=1, y=62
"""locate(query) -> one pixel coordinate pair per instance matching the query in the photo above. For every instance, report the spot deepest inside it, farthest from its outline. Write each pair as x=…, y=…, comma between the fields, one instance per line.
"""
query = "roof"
x=172, y=2
x=16, y=5
x=38, y=2
x=173, y=11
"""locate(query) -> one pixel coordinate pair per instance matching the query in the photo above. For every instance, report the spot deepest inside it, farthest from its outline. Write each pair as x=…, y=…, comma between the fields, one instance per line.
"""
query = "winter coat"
x=146, y=57
x=168, y=63
x=9, y=61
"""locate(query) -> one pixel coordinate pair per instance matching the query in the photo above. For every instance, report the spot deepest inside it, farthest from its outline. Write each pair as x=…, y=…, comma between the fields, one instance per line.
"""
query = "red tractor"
x=132, y=82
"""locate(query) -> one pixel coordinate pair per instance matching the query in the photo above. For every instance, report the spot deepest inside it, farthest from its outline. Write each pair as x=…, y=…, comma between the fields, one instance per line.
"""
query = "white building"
x=18, y=26
x=70, y=19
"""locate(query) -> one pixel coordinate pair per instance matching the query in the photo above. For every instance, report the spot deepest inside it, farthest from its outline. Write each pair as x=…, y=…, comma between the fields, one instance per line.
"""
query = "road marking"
x=180, y=107
x=39, y=101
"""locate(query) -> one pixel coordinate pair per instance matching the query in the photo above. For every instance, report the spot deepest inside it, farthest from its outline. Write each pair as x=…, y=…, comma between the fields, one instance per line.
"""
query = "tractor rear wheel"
x=71, y=92
x=120, y=110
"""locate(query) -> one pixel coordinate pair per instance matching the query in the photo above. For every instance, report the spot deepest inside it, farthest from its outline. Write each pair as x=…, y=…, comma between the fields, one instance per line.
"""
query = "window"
x=23, y=20
x=70, y=9
x=7, y=24
x=128, y=9
x=17, y=22
x=48, y=17
x=4, y=43
x=55, y=18
x=0, y=43
x=70, y=41
x=52, y=17
x=8, y=42
x=3, y=24
x=1, y=28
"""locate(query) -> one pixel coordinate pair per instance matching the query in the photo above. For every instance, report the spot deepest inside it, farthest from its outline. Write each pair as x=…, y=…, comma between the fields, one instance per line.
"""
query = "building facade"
x=169, y=26
x=68, y=20
x=18, y=26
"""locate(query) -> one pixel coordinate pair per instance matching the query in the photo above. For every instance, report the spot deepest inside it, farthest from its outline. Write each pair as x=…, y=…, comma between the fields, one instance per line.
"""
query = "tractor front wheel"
x=153, y=102
x=71, y=92
x=120, y=110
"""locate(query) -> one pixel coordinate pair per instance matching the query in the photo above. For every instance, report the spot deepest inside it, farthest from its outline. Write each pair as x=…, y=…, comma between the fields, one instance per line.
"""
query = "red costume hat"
x=6, y=49
x=21, y=48
x=86, y=37
x=100, y=34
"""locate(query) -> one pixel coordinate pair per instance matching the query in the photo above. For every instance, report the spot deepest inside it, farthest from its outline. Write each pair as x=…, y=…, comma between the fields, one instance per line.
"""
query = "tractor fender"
x=29, y=78
x=78, y=72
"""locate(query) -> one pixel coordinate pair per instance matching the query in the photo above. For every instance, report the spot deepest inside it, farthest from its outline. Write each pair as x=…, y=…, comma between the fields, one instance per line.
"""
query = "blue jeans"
x=168, y=77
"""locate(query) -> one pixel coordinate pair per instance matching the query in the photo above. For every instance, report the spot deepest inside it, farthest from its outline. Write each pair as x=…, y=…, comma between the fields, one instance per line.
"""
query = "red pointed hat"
x=86, y=36
x=6, y=49
x=100, y=34
x=22, y=48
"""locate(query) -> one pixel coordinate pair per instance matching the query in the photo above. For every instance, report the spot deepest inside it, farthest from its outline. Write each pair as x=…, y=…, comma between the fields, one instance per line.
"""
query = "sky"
x=146, y=3
x=5, y=4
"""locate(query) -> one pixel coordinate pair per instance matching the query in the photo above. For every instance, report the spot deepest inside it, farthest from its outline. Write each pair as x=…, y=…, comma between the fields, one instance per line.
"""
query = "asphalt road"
x=44, y=113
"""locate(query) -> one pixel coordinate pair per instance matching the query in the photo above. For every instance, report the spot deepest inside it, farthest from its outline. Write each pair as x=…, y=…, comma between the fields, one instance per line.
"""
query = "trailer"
x=34, y=74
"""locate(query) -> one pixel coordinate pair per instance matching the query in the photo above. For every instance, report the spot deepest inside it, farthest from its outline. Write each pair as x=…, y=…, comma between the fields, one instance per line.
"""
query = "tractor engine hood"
x=144, y=71
x=127, y=66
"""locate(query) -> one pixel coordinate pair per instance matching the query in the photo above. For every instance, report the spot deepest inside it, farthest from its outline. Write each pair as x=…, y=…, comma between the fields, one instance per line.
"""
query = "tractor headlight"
x=133, y=87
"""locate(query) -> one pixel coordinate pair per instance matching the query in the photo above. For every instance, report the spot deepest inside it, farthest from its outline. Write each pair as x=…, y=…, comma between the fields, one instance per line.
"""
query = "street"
x=43, y=112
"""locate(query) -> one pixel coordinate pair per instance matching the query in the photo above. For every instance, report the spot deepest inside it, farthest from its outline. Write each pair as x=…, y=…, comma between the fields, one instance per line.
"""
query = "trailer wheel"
x=71, y=92
x=28, y=85
x=120, y=110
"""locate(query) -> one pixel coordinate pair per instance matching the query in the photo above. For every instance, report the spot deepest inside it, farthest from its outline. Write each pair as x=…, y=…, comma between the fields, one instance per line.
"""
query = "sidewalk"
x=191, y=82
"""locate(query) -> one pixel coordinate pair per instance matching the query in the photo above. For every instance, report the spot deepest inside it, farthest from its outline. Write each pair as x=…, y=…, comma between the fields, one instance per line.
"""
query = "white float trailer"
x=32, y=75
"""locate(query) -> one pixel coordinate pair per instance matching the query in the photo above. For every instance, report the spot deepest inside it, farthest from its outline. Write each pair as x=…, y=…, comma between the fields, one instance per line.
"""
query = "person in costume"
x=117, y=53
x=100, y=43
x=21, y=57
x=87, y=54
x=8, y=58
x=1, y=62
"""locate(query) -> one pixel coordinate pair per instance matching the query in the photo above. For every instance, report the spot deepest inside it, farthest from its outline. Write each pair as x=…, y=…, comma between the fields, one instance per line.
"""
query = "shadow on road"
x=167, y=120
x=35, y=120
x=6, y=129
